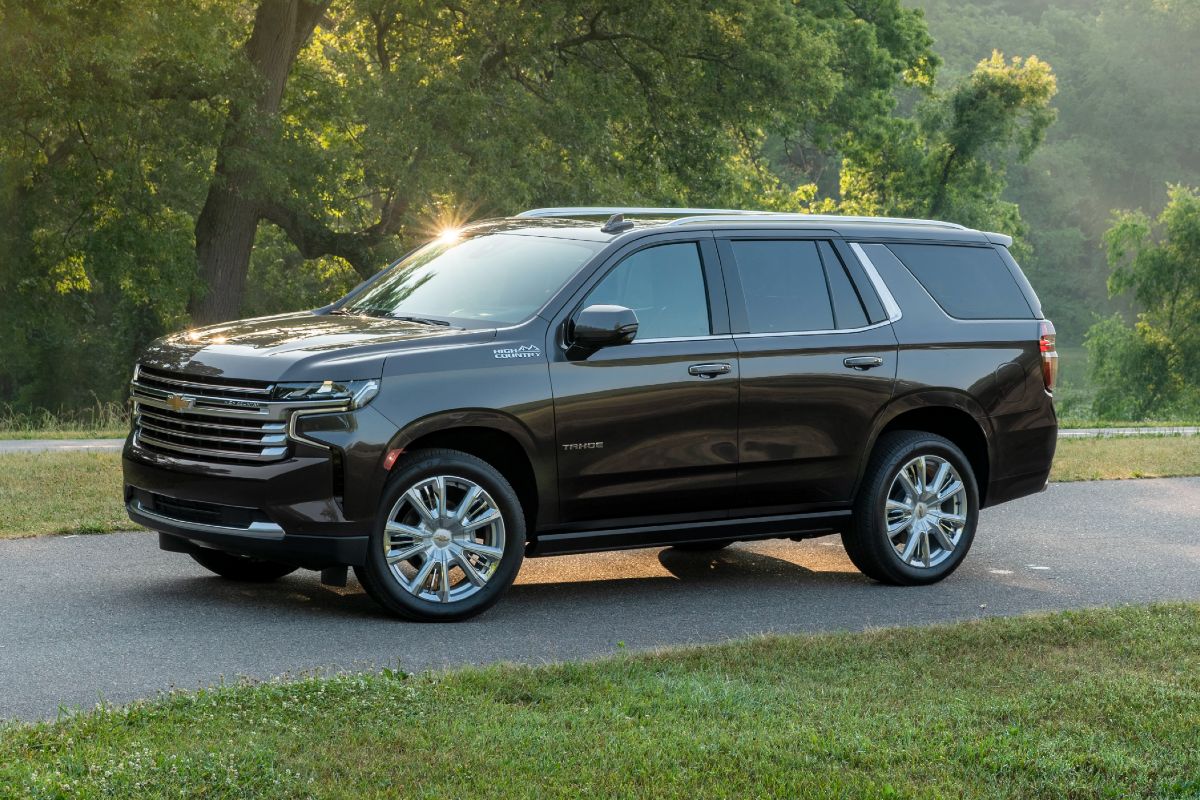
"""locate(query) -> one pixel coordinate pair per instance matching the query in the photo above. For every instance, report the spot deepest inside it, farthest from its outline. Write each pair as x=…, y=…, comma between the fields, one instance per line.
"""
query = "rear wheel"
x=241, y=568
x=449, y=538
x=916, y=512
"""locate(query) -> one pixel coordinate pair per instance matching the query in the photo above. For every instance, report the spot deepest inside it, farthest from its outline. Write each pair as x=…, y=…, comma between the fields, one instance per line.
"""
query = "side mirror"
x=603, y=326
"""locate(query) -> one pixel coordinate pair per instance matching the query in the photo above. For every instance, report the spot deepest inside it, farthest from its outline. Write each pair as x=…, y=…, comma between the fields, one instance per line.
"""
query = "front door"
x=647, y=431
x=818, y=363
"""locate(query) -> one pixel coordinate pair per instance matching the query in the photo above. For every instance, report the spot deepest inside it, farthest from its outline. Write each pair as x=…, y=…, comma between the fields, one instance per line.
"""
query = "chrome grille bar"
x=212, y=418
x=199, y=385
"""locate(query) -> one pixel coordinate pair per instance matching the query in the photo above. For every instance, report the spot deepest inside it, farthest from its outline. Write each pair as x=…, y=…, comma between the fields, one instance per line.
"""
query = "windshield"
x=497, y=278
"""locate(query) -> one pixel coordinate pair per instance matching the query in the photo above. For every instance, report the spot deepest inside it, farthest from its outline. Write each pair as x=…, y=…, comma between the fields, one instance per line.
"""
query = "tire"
x=245, y=569
x=914, y=554
x=448, y=543
x=701, y=547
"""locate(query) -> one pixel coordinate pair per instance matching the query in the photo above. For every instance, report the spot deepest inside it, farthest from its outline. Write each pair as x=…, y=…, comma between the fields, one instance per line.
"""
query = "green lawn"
x=74, y=492
x=1126, y=457
x=1102, y=703
x=81, y=492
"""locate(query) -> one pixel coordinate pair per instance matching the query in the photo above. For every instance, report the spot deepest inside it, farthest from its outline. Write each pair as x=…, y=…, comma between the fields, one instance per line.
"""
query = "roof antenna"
x=617, y=223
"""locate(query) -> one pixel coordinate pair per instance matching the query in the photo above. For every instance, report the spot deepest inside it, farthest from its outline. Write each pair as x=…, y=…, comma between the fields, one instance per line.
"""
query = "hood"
x=301, y=346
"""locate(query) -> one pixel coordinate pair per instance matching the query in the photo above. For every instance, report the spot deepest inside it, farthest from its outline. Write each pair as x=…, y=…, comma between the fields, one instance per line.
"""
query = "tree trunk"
x=226, y=226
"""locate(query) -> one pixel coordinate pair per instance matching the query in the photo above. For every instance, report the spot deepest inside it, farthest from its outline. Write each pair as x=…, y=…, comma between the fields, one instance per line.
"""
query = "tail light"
x=1049, y=355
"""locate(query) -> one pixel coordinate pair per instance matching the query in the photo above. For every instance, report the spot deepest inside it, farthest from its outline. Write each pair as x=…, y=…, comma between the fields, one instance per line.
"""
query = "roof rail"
x=608, y=211
x=779, y=216
x=687, y=216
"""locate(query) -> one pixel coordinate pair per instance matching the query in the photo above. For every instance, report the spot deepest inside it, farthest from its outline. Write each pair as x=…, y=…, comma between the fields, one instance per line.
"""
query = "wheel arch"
x=954, y=415
x=502, y=441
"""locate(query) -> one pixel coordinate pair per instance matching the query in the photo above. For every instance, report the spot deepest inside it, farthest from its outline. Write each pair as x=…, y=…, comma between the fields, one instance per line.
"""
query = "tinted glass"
x=784, y=286
x=967, y=282
x=664, y=285
x=848, y=311
x=496, y=278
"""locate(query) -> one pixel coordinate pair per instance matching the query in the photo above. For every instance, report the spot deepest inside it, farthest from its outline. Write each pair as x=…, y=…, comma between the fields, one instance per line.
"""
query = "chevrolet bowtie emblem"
x=179, y=402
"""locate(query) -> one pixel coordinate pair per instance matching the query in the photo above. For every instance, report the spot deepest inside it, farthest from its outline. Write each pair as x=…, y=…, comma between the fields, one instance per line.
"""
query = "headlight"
x=355, y=393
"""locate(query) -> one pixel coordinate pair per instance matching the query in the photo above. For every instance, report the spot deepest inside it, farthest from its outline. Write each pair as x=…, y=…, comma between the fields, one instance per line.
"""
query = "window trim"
x=714, y=284
x=739, y=315
x=890, y=306
x=973, y=245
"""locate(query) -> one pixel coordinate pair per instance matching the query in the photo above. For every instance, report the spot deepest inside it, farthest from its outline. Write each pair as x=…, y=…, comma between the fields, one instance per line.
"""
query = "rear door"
x=818, y=363
x=647, y=431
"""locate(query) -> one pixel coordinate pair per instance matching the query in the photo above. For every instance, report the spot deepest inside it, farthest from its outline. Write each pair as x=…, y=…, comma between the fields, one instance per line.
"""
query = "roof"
x=848, y=226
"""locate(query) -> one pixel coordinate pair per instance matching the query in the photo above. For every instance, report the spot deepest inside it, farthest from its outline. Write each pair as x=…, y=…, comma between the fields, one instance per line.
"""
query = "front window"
x=664, y=285
x=499, y=278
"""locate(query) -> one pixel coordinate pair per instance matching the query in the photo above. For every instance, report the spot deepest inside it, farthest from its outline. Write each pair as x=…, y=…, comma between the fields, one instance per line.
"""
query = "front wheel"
x=916, y=512
x=448, y=541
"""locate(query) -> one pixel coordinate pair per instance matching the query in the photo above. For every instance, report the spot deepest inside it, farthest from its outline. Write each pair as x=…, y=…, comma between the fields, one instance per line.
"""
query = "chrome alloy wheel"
x=444, y=539
x=926, y=511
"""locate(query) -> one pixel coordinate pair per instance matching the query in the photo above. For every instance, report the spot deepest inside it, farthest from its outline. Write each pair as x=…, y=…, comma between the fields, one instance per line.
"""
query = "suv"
x=581, y=379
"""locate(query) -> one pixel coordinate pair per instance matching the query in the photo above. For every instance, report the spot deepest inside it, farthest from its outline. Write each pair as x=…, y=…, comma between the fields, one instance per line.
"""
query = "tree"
x=1154, y=365
x=492, y=106
x=949, y=160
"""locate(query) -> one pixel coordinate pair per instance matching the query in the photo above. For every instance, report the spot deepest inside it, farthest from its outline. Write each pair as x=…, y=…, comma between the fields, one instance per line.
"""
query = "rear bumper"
x=1024, y=452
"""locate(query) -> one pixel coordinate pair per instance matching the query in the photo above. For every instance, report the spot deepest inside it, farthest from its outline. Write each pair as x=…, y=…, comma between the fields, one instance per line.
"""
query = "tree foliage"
x=950, y=159
x=1128, y=111
x=177, y=161
x=1152, y=367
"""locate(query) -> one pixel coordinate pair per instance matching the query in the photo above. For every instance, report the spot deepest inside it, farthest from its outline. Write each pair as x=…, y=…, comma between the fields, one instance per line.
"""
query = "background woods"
x=164, y=163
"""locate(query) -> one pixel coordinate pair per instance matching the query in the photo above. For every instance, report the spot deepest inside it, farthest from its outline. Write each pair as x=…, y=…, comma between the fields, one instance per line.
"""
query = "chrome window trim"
x=889, y=303
x=882, y=324
x=256, y=530
x=658, y=339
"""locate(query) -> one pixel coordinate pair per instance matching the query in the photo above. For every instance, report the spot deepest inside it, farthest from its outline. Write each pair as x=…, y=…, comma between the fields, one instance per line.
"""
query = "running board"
x=796, y=526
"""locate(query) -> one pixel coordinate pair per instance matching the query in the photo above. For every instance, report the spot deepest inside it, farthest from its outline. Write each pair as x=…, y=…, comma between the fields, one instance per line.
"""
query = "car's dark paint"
x=775, y=446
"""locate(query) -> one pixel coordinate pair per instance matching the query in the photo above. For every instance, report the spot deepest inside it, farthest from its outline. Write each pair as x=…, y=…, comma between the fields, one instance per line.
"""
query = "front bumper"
x=314, y=509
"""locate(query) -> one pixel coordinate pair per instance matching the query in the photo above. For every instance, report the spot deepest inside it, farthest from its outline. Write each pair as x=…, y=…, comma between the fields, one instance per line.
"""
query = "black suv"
x=581, y=379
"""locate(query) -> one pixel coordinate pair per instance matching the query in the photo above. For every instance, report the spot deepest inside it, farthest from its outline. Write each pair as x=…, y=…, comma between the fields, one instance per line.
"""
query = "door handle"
x=708, y=370
x=862, y=362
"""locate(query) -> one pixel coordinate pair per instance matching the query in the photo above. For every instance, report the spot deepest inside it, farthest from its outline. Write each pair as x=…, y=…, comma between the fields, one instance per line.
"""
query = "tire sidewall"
x=421, y=466
x=881, y=485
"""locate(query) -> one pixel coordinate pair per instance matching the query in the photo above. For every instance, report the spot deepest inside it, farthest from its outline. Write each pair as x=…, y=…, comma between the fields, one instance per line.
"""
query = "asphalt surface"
x=86, y=618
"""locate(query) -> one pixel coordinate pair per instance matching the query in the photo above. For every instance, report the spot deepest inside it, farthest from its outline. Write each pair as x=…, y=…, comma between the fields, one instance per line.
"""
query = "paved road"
x=114, y=445
x=41, y=445
x=87, y=617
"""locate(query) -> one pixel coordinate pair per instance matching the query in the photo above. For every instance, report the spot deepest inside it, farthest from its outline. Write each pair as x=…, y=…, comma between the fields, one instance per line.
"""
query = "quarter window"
x=664, y=285
x=967, y=282
x=784, y=285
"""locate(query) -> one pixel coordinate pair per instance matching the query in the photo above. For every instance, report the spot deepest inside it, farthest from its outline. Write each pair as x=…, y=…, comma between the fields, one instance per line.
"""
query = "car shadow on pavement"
x=737, y=573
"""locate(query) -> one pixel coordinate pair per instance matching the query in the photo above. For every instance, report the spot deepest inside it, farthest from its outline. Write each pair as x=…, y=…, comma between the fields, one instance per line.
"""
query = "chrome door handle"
x=862, y=362
x=709, y=370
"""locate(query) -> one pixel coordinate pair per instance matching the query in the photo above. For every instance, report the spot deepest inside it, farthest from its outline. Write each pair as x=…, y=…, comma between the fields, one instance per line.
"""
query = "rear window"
x=784, y=285
x=967, y=282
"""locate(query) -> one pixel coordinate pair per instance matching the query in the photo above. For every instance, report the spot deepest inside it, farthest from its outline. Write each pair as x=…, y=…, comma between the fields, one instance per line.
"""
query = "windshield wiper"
x=422, y=320
x=383, y=312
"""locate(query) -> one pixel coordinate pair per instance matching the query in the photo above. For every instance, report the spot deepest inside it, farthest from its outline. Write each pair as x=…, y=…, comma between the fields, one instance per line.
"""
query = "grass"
x=1091, y=704
x=80, y=492
x=1126, y=457
x=76, y=492
x=103, y=420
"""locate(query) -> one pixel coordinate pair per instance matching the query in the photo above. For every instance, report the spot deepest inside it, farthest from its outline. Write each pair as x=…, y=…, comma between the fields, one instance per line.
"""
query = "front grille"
x=207, y=418
x=204, y=436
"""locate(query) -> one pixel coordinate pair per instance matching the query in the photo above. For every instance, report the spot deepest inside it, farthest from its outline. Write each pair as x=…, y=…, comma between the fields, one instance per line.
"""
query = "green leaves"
x=1153, y=366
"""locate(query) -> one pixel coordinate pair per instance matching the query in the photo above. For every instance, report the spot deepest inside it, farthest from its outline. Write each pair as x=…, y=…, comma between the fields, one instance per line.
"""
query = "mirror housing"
x=603, y=326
